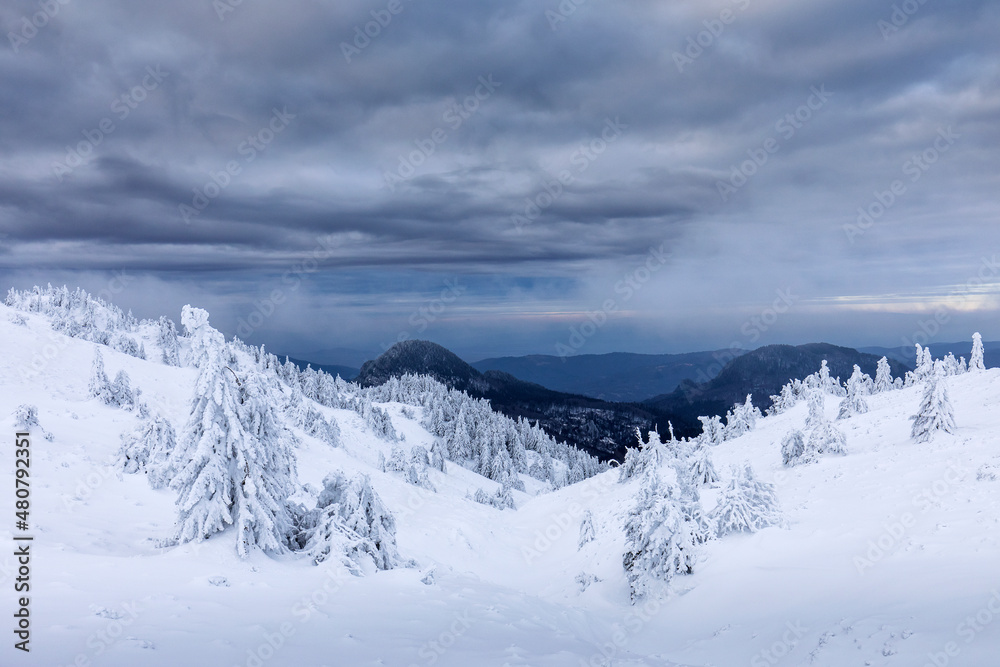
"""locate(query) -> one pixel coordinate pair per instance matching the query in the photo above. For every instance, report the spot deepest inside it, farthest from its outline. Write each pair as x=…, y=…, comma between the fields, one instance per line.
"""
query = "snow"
x=883, y=556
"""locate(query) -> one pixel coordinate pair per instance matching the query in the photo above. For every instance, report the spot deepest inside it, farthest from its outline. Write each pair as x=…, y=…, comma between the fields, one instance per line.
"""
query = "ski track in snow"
x=843, y=582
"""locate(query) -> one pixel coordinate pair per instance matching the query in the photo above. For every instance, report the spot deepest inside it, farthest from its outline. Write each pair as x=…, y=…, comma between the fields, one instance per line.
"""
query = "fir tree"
x=976, y=362
x=883, y=377
x=659, y=543
x=935, y=412
x=747, y=505
x=235, y=463
x=854, y=403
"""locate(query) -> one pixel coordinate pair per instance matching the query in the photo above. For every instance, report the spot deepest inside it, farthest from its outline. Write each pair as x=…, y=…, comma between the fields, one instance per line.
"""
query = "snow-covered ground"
x=889, y=555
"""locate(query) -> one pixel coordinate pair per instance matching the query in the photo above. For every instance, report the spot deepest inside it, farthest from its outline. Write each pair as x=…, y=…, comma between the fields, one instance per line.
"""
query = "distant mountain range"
x=620, y=376
x=595, y=402
x=762, y=373
x=600, y=427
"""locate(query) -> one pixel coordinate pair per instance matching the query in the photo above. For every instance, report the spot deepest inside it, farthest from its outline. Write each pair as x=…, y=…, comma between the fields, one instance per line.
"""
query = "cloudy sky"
x=511, y=177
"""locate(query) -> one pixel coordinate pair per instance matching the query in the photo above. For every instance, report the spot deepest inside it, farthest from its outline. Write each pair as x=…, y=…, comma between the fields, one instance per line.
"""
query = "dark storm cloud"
x=515, y=139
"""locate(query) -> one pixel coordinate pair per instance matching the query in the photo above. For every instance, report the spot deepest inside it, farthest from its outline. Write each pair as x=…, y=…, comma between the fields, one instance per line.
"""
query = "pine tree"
x=167, y=339
x=148, y=449
x=883, y=377
x=976, y=362
x=99, y=386
x=702, y=470
x=711, y=430
x=235, y=463
x=793, y=448
x=854, y=403
x=747, y=505
x=935, y=412
x=659, y=543
x=352, y=522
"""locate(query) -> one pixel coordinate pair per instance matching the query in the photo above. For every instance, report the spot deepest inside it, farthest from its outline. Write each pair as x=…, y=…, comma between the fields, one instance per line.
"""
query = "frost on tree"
x=26, y=419
x=787, y=399
x=586, y=530
x=235, y=462
x=350, y=523
x=747, y=505
x=148, y=448
x=712, y=431
x=883, y=377
x=793, y=448
x=659, y=542
x=741, y=419
x=857, y=389
x=820, y=436
x=702, y=470
x=935, y=412
x=976, y=362
x=166, y=338
x=205, y=341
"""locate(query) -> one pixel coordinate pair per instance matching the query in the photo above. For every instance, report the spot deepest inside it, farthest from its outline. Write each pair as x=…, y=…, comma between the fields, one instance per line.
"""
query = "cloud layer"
x=355, y=155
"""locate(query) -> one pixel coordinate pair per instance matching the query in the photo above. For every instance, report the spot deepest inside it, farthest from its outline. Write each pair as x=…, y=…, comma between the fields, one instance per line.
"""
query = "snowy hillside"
x=886, y=554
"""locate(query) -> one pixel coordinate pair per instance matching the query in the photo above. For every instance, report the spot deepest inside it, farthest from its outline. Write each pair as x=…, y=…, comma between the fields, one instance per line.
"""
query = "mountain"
x=599, y=427
x=763, y=373
x=907, y=354
x=619, y=376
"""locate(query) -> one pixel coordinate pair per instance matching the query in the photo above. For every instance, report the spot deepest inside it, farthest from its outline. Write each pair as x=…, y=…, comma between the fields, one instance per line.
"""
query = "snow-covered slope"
x=888, y=555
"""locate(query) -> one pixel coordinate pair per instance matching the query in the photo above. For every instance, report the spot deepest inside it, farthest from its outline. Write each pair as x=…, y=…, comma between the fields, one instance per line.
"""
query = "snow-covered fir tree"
x=820, y=436
x=712, y=430
x=148, y=448
x=747, y=505
x=350, y=523
x=976, y=362
x=659, y=542
x=883, y=377
x=702, y=469
x=235, y=462
x=166, y=338
x=935, y=413
x=793, y=448
x=857, y=388
x=26, y=419
x=741, y=419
